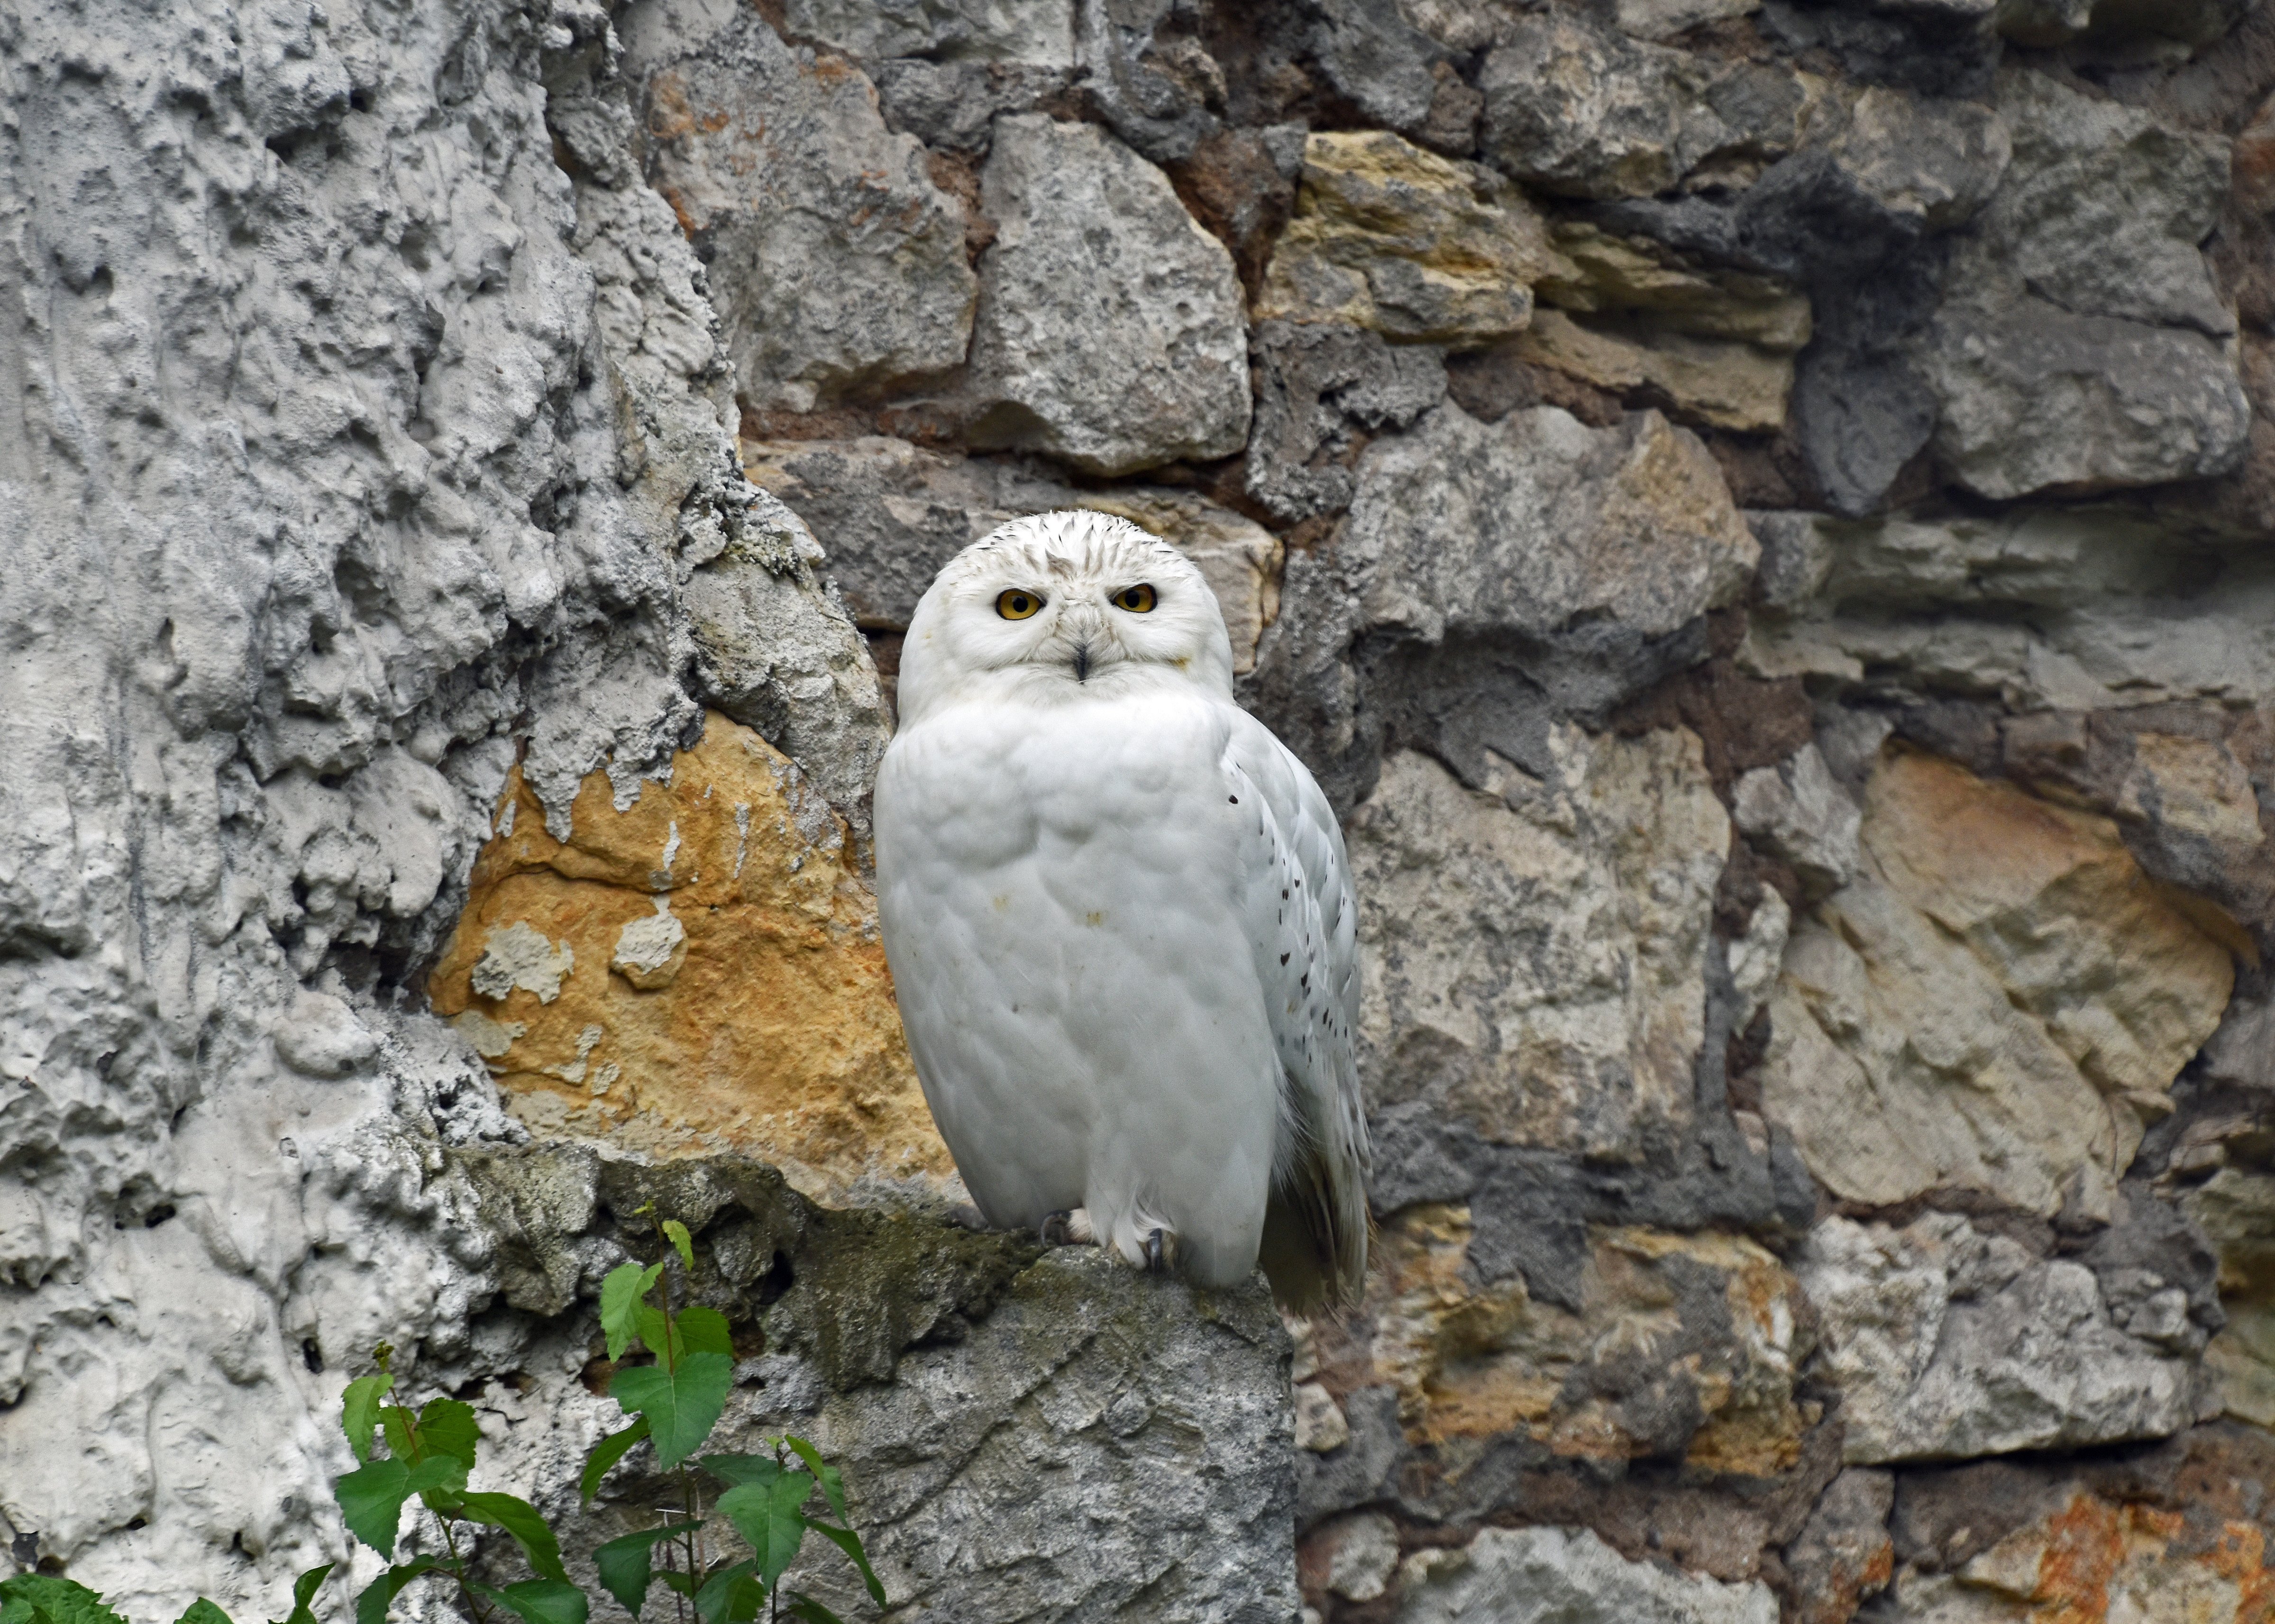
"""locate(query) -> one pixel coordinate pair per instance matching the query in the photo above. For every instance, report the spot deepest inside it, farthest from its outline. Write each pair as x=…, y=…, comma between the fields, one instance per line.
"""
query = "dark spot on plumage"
x=1283, y=958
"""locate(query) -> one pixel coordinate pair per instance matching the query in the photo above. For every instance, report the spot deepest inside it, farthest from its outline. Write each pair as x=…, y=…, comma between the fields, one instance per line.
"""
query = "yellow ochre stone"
x=700, y=972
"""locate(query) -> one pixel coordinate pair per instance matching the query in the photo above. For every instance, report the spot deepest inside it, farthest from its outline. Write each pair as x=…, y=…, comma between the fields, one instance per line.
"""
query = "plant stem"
x=458, y=1572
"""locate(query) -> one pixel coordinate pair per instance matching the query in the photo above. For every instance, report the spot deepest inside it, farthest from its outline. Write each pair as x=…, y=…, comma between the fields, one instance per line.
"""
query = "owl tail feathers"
x=1315, y=1235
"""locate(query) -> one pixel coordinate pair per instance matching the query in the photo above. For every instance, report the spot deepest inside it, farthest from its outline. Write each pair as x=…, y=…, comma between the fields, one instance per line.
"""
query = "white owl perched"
x=1120, y=919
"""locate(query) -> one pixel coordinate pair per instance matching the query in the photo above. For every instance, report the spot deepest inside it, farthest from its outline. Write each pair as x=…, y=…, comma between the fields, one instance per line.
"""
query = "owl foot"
x=1160, y=1251
x=1068, y=1228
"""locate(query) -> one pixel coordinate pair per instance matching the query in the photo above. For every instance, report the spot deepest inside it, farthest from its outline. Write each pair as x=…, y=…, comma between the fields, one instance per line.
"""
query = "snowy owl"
x=1120, y=919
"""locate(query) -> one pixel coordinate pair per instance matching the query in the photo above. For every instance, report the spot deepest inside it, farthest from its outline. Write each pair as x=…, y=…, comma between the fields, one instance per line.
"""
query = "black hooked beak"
x=1082, y=662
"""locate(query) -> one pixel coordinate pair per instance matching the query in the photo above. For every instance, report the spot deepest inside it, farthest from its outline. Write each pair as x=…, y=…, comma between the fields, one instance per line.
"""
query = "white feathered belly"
x=1063, y=900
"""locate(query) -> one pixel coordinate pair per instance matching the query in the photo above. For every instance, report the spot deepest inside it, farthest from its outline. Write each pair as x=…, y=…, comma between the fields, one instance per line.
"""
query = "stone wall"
x=1757, y=512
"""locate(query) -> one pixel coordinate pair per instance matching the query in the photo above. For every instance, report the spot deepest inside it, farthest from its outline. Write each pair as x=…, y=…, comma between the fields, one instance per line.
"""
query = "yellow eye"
x=1137, y=599
x=1017, y=605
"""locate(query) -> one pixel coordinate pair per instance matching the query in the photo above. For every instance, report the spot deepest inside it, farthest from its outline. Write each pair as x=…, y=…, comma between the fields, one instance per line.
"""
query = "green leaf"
x=620, y=1294
x=676, y=1234
x=56, y=1601
x=832, y=1482
x=16, y=1609
x=380, y=1594
x=606, y=1454
x=768, y=1519
x=740, y=1468
x=203, y=1611
x=371, y=1496
x=682, y=1404
x=540, y=1601
x=360, y=1410
x=656, y=1334
x=518, y=1517
x=804, y=1606
x=732, y=1596
x=704, y=1330
x=627, y=1565
x=304, y=1590
x=447, y=1427
x=846, y=1540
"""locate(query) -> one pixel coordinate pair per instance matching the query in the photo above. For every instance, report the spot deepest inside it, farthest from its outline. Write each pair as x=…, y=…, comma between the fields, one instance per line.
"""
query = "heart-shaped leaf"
x=681, y=1405
x=606, y=1454
x=627, y=1565
x=520, y=1519
x=767, y=1518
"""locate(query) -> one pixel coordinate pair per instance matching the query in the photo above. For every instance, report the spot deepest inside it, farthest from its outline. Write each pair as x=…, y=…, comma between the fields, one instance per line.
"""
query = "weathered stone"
x=1321, y=391
x=895, y=514
x=977, y=1471
x=320, y=1037
x=1633, y=277
x=1680, y=1347
x=1926, y=165
x=2071, y=223
x=1320, y=1426
x=1660, y=20
x=952, y=106
x=837, y=265
x=1585, y=900
x=1947, y=1343
x=1844, y=1553
x=2061, y=609
x=803, y=683
x=1389, y=237
x=1795, y=812
x=1551, y=1576
x=1041, y=31
x=1574, y=108
x=1996, y=1004
x=773, y=1032
x=1109, y=331
x=2033, y=398
x=1360, y=1552
x=1720, y=384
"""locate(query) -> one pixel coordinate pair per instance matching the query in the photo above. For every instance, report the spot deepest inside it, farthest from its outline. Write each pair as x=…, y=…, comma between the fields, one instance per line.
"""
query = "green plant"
x=674, y=1402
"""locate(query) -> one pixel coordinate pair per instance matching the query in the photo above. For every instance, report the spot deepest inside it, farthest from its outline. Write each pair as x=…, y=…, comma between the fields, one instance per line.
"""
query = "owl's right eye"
x=1017, y=605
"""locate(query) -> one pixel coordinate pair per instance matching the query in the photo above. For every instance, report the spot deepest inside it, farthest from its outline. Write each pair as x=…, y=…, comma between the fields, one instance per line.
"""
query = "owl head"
x=1062, y=608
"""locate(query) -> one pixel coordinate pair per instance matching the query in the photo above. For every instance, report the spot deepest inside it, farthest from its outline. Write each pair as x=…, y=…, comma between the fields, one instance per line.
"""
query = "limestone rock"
x=1041, y=31
x=2051, y=608
x=1844, y=1553
x=1321, y=389
x=1575, y=108
x=895, y=514
x=1679, y=1347
x=2034, y=397
x=756, y=1013
x=1362, y=1554
x=1585, y=901
x=1796, y=812
x=1534, y=1575
x=1996, y=1004
x=1321, y=1427
x=320, y=1037
x=1389, y=237
x=1605, y=274
x=1109, y=331
x=837, y=266
x=1947, y=1343
x=1720, y=385
x=804, y=682
x=1927, y=165
x=978, y=1470
x=2071, y=220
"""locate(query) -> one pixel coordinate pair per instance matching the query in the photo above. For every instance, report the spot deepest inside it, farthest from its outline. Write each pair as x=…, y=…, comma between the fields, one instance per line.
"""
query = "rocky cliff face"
x=1757, y=512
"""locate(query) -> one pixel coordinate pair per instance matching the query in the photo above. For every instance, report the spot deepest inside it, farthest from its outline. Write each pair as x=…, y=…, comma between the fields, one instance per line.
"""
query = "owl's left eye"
x=1017, y=605
x=1137, y=599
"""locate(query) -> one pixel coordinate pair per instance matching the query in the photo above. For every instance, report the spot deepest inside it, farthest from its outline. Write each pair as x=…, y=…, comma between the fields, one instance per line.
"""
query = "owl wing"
x=1302, y=925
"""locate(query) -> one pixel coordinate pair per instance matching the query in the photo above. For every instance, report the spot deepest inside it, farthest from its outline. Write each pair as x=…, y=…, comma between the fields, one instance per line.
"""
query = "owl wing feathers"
x=1303, y=930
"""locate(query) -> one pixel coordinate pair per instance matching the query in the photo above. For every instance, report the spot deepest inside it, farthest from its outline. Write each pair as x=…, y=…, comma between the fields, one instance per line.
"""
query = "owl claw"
x=1069, y=1227
x=1160, y=1249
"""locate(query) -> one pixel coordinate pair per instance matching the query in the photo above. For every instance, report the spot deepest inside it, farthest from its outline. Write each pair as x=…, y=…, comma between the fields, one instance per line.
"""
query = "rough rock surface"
x=1531, y=1576
x=711, y=974
x=1109, y=331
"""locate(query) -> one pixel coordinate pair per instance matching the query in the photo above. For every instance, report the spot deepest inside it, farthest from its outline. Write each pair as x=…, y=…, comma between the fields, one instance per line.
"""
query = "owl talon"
x=1070, y=1226
x=1158, y=1252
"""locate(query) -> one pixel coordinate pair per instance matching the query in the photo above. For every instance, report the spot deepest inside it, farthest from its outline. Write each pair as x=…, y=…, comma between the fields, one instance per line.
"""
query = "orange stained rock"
x=2094, y=1561
x=767, y=1024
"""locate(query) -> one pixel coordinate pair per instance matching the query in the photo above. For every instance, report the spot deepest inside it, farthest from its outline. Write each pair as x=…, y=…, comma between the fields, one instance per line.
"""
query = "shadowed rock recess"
x=1760, y=514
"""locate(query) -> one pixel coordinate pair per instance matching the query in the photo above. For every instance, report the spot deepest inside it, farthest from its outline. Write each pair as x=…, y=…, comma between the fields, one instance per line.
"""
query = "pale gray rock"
x=953, y=105
x=1796, y=812
x=1101, y=1445
x=1554, y=1575
x=1927, y=165
x=837, y=266
x=1362, y=1554
x=1041, y=31
x=1318, y=389
x=2045, y=608
x=804, y=682
x=1947, y=1343
x=1535, y=950
x=320, y=1037
x=2101, y=210
x=1109, y=333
